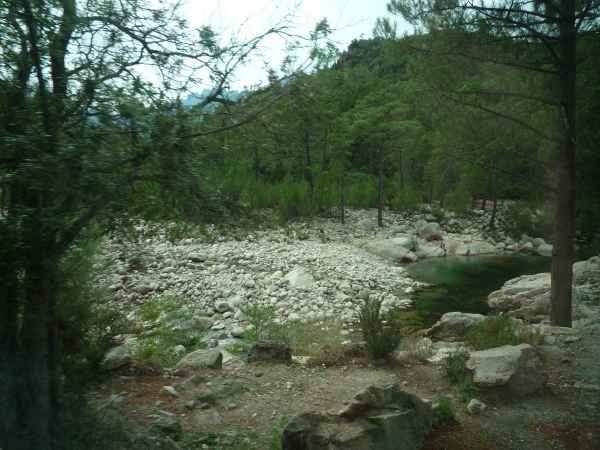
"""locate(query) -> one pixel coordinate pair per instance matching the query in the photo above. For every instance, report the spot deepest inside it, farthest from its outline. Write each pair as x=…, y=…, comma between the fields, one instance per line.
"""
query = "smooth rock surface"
x=515, y=368
x=386, y=418
x=453, y=325
x=270, y=351
x=115, y=358
x=201, y=359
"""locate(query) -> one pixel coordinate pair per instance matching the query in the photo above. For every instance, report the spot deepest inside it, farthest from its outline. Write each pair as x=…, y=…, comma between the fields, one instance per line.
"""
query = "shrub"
x=381, y=340
x=446, y=412
x=455, y=366
x=466, y=390
x=437, y=212
x=264, y=327
x=321, y=342
x=493, y=331
x=168, y=323
x=407, y=199
x=414, y=346
x=87, y=324
x=518, y=219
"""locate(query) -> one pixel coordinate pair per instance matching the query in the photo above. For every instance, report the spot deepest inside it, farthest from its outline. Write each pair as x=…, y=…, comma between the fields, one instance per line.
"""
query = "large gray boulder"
x=385, y=418
x=528, y=295
x=545, y=250
x=270, y=351
x=299, y=277
x=587, y=272
x=115, y=358
x=537, y=242
x=430, y=251
x=404, y=241
x=387, y=249
x=367, y=224
x=453, y=325
x=527, y=248
x=513, y=368
x=431, y=231
x=201, y=359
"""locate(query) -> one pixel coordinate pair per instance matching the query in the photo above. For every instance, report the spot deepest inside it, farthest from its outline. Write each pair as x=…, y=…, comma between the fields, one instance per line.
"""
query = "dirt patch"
x=564, y=415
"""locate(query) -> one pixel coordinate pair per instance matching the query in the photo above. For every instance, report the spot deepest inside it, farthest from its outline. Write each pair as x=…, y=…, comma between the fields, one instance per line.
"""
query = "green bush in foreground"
x=446, y=412
x=496, y=331
x=382, y=340
x=455, y=366
x=168, y=323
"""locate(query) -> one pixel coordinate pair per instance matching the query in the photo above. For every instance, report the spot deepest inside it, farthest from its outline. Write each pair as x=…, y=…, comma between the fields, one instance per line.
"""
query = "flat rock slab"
x=202, y=359
x=386, y=249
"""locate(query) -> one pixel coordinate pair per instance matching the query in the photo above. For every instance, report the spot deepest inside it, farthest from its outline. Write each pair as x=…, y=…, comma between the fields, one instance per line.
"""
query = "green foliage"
x=406, y=199
x=466, y=390
x=496, y=331
x=83, y=426
x=382, y=340
x=294, y=198
x=263, y=325
x=321, y=342
x=275, y=439
x=437, y=212
x=168, y=323
x=414, y=242
x=455, y=366
x=518, y=219
x=233, y=440
x=445, y=413
x=493, y=331
x=361, y=192
x=459, y=199
x=87, y=324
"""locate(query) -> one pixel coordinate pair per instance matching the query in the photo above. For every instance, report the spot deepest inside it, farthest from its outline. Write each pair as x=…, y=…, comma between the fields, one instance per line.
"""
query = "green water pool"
x=463, y=284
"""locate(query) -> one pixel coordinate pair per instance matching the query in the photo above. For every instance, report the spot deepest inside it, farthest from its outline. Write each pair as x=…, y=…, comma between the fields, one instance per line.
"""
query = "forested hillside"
x=414, y=126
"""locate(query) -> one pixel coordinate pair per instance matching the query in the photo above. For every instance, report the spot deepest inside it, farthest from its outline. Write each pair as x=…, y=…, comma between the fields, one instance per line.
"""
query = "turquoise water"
x=463, y=284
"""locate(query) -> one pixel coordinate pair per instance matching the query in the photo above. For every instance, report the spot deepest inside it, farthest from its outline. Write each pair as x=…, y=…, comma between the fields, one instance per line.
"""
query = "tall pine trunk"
x=487, y=188
x=495, y=207
x=380, y=189
x=308, y=176
x=563, y=252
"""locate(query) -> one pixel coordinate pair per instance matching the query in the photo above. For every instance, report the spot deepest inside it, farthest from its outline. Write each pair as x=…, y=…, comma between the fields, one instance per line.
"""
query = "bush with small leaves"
x=455, y=366
x=382, y=339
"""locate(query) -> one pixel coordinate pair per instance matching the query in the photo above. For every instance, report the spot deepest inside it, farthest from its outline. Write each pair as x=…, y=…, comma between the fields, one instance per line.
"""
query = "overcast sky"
x=351, y=19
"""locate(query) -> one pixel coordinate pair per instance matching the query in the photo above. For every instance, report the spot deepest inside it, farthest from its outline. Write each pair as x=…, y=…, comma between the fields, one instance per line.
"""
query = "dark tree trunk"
x=343, y=202
x=401, y=170
x=487, y=188
x=563, y=253
x=10, y=369
x=308, y=176
x=444, y=184
x=380, y=189
x=493, y=218
x=431, y=194
x=324, y=162
x=256, y=165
